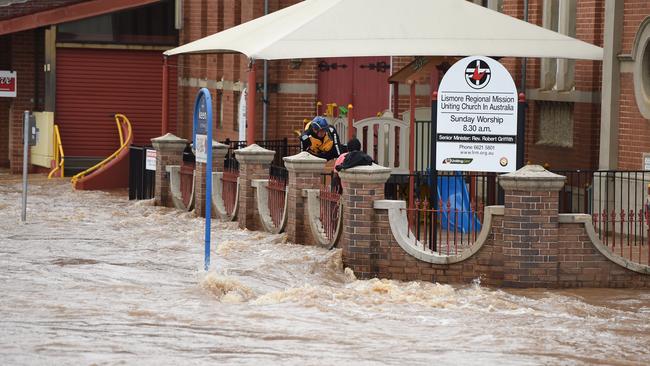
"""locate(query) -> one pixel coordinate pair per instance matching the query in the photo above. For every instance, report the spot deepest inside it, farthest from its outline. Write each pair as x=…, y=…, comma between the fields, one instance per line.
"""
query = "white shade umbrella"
x=346, y=28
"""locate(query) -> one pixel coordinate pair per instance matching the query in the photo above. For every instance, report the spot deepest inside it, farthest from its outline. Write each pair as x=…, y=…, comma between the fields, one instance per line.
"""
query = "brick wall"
x=586, y=135
x=247, y=214
x=5, y=104
x=162, y=189
x=297, y=228
x=586, y=124
x=634, y=130
x=285, y=110
x=530, y=234
x=361, y=242
x=573, y=262
x=394, y=263
x=580, y=264
x=634, y=12
x=22, y=61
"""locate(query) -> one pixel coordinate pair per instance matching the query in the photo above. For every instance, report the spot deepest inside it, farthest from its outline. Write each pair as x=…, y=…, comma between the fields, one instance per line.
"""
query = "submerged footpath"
x=95, y=278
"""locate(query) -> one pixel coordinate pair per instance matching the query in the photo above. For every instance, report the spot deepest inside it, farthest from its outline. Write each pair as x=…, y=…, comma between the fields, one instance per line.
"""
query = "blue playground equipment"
x=452, y=189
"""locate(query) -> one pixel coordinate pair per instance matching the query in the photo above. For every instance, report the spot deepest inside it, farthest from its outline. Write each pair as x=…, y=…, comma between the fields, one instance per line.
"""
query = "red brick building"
x=84, y=61
x=582, y=114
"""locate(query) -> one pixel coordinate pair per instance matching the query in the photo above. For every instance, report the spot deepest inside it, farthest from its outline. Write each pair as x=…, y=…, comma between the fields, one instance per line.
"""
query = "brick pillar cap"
x=169, y=142
x=254, y=154
x=304, y=162
x=532, y=178
x=366, y=174
x=220, y=149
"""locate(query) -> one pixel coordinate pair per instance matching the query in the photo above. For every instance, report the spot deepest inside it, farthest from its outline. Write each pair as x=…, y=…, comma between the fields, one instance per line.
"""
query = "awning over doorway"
x=345, y=28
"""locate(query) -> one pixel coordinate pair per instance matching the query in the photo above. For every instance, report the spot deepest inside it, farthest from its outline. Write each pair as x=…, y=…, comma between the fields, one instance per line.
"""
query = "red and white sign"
x=8, y=84
x=150, y=160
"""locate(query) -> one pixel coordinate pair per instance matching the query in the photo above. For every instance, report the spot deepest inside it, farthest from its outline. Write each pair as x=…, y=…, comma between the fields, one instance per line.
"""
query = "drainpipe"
x=390, y=90
x=165, y=98
x=523, y=66
x=265, y=97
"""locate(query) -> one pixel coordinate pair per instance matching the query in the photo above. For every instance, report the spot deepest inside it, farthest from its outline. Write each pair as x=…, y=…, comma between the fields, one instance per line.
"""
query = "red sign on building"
x=8, y=84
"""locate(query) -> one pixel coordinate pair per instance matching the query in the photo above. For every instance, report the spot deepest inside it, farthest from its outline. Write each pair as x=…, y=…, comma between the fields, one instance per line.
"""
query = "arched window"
x=642, y=68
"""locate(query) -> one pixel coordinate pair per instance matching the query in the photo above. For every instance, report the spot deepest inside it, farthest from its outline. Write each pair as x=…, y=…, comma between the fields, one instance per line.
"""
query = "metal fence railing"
x=590, y=191
x=446, y=212
x=229, y=180
x=277, y=199
x=330, y=210
x=479, y=186
x=617, y=202
x=445, y=228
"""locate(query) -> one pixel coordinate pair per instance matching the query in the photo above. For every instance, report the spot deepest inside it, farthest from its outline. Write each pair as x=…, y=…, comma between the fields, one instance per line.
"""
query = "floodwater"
x=93, y=278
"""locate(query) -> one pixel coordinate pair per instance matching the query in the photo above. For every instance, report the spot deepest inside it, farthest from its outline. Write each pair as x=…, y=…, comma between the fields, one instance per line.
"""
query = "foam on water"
x=226, y=289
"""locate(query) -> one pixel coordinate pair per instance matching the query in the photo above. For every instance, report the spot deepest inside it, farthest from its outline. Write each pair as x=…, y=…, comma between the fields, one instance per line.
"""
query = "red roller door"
x=92, y=85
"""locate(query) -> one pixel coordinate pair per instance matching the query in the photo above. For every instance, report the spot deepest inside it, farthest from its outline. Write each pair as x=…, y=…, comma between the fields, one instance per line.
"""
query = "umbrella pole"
x=395, y=99
x=411, y=143
x=250, y=103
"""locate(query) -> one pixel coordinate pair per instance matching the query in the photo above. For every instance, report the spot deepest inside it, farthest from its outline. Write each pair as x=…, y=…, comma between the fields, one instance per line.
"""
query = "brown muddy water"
x=93, y=278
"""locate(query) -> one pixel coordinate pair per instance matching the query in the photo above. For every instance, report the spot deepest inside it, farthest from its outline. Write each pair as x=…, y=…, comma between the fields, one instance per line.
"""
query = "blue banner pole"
x=203, y=126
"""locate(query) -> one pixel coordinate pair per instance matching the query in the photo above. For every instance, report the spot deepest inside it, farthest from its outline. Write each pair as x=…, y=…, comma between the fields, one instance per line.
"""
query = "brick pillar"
x=530, y=227
x=169, y=151
x=254, y=162
x=360, y=239
x=219, y=156
x=219, y=151
x=304, y=173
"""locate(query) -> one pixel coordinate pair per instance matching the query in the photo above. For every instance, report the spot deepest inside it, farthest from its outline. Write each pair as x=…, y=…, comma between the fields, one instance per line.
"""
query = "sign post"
x=30, y=136
x=23, y=215
x=476, y=127
x=202, y=140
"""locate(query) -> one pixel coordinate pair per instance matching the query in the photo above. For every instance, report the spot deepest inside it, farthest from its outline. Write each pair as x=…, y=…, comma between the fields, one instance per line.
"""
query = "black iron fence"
x=595, y=191
x=618, y=204
x=141, y=180
x=479, y=186
x=446, y=221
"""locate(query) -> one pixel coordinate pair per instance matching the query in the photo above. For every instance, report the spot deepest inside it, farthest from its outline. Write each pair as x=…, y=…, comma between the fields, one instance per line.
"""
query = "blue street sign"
x=202, y=139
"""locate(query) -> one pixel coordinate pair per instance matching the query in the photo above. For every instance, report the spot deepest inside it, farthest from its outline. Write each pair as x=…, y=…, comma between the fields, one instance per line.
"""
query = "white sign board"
x=477, y=118
x=201, y=150
x=241, y=115
x=646, y=162
x=150, y=160
x=8, y=84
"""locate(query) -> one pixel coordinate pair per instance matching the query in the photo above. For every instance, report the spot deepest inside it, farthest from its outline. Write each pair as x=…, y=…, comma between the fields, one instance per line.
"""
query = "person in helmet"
x=320, y=139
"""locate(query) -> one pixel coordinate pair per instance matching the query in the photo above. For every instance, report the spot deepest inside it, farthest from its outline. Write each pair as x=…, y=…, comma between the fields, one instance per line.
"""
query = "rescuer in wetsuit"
x=320, y=139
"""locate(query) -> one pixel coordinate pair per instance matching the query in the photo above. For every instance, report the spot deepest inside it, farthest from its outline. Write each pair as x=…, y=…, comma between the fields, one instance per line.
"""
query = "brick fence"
x=524, y=243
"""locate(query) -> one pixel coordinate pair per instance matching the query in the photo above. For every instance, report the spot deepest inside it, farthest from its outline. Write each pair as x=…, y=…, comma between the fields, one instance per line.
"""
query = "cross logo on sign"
x=477, y=74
